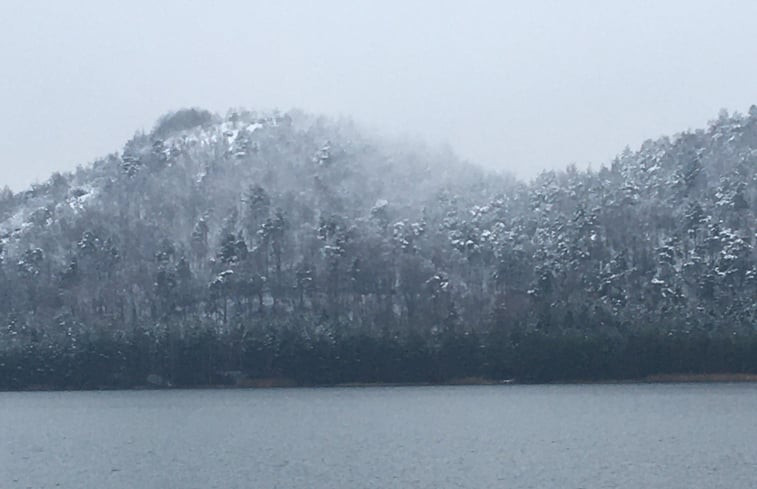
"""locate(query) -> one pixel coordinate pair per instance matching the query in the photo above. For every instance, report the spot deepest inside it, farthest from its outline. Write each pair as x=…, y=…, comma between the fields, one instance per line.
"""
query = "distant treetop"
x=181, y=120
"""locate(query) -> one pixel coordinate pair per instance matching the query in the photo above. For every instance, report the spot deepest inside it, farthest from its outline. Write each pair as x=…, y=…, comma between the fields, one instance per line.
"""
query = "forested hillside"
x=285, y=246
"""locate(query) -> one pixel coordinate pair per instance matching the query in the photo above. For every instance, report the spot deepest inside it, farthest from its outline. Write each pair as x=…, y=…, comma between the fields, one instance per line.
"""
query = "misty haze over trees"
x=286, y=246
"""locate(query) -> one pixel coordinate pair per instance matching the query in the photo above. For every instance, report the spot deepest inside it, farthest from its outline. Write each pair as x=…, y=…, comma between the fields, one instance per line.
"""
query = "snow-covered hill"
x=256, y=228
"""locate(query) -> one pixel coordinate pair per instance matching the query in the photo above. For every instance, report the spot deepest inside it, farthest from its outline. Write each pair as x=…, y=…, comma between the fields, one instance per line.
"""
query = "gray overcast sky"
x=521, y=86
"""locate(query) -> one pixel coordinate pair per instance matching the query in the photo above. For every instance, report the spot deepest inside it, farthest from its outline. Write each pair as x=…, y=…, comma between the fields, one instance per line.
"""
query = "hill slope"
x=291, y=246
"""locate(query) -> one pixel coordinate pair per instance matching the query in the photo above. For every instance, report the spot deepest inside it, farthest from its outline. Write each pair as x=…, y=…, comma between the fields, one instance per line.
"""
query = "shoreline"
x=701, y=378
x=719, y=378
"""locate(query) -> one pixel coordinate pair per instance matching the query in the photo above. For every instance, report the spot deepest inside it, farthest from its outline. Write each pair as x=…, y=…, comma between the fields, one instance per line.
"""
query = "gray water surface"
x=589, y=436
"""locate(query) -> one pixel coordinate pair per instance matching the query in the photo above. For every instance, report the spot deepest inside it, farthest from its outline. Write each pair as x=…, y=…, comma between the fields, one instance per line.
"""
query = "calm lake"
x=575, y=436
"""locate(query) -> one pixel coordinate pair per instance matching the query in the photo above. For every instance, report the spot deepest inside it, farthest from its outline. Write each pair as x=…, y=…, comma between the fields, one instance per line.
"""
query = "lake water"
x=583, y=436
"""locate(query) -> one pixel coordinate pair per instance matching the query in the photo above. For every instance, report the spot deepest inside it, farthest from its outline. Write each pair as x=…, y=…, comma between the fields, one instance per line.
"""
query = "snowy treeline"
x=284, y=245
